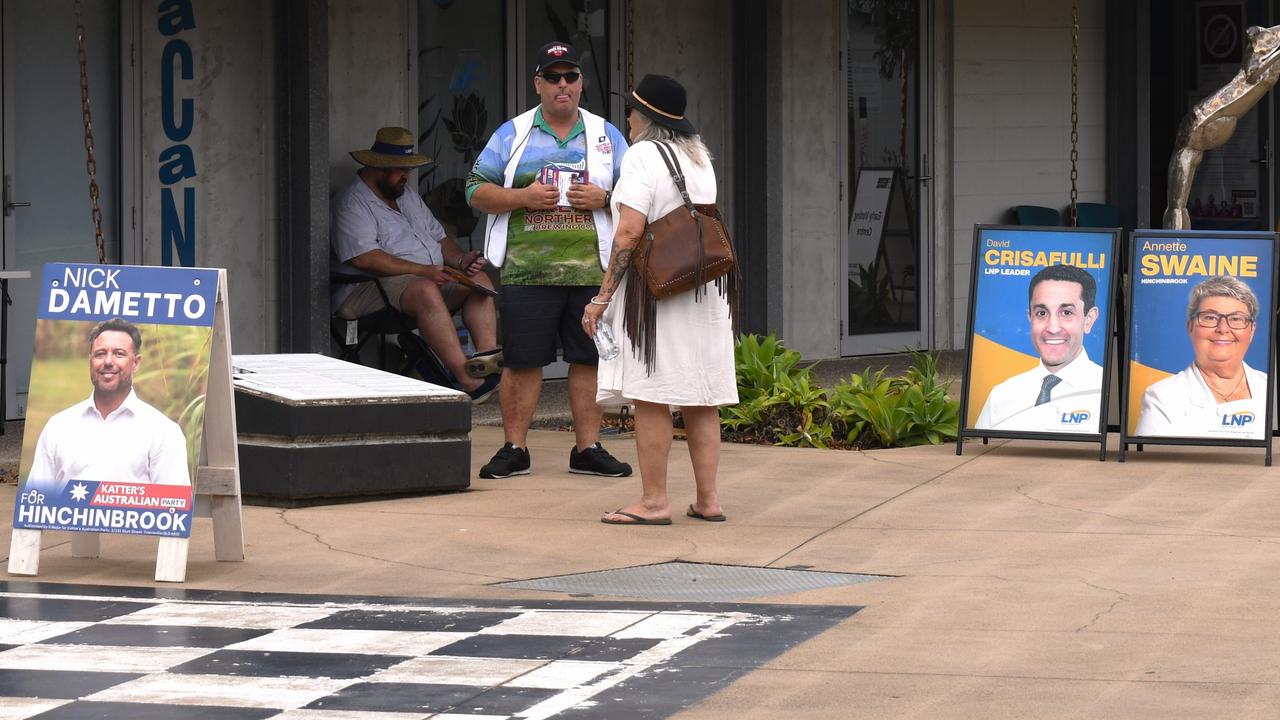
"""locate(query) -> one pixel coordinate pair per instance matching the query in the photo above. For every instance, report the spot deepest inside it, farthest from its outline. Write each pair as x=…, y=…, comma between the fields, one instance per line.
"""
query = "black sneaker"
x=509, y=460
x=595, y=460
x=481, y=395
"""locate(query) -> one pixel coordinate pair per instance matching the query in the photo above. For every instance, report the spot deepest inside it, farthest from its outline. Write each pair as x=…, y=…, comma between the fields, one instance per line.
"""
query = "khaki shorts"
x=365, y=298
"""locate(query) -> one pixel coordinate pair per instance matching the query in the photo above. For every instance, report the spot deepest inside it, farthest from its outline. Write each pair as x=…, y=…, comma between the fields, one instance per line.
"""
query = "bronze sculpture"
x=1212, y=121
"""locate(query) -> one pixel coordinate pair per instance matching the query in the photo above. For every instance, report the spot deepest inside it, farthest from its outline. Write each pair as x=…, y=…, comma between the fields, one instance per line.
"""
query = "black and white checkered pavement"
x=95, y=652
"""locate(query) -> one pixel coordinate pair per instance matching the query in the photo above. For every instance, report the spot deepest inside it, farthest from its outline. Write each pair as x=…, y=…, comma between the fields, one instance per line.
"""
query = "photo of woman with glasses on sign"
x=1218, y=393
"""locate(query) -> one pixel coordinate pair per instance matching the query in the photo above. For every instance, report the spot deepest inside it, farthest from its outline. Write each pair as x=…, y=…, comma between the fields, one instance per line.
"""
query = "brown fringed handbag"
x=680, y=251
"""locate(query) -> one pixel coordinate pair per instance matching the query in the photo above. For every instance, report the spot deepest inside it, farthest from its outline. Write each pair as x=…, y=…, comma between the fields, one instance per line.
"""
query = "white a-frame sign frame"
x=216, y=483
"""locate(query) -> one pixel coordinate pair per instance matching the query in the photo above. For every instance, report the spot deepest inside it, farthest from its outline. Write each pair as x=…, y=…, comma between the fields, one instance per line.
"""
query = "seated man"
x=379, y=229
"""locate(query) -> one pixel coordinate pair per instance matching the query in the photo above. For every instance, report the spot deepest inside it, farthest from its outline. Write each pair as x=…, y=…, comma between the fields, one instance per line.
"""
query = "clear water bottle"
x=606, y=345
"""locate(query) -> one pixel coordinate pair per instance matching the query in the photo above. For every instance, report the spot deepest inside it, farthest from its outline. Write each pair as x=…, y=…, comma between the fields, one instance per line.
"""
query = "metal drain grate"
x=692, y=581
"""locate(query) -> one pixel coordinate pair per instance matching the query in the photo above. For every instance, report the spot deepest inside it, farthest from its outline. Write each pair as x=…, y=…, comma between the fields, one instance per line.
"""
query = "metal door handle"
x=9, y=205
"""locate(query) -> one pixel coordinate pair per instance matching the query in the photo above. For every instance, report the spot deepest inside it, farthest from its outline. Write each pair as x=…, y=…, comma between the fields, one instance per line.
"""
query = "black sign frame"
x=1107, y=316
x=1126, y=439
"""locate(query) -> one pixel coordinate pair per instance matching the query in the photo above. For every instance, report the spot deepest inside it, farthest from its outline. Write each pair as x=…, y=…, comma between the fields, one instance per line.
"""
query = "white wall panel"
x=1012, y=120
x=232, y=146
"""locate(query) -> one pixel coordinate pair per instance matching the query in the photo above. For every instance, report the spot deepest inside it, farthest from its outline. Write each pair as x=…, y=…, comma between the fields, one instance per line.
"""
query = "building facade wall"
x=369, y=76
x=692, y=43
x=811, y=92
x=1000, y=77
x=208, y=178
x=1011, y=120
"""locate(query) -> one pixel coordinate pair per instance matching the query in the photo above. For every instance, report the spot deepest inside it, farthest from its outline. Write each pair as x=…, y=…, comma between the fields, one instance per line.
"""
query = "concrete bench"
x=314, y=430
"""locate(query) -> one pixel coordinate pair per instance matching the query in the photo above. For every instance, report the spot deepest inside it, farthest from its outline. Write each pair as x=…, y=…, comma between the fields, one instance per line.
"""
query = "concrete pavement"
x=1028, y=579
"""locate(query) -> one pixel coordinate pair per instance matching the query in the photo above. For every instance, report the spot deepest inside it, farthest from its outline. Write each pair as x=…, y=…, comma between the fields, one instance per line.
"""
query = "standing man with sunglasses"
x=544, y=178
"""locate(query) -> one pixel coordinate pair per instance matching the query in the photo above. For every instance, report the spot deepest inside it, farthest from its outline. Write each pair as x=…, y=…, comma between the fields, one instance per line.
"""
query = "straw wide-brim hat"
x=662, y=100
x=392, y=148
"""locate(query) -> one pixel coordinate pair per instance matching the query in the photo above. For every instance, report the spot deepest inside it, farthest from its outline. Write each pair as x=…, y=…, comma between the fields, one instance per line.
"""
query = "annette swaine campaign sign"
x=115, y=451
x=1200, y=335
x=1039, y=322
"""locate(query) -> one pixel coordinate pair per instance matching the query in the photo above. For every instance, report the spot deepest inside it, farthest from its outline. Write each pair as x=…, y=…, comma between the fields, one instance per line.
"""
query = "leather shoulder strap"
x=677, y=172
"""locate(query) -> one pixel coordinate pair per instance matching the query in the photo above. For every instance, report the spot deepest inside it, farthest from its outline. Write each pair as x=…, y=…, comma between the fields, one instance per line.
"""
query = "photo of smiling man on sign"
x=116, y=454
x=1039, y=321
x=1061, y=309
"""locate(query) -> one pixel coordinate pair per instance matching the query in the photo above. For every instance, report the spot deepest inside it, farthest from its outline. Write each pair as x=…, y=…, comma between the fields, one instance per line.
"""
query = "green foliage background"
x=173, y=377
x=781, y=403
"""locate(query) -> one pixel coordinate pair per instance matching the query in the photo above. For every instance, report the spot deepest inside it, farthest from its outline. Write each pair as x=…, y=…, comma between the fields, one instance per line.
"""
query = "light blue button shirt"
x=361, y=222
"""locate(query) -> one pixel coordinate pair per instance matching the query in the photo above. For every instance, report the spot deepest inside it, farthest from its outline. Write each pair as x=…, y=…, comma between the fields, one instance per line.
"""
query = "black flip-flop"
x=691, y=512
x=635, y=519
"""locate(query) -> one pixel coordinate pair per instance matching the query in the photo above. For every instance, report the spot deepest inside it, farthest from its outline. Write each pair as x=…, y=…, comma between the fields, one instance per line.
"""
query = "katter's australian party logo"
x=109, y=507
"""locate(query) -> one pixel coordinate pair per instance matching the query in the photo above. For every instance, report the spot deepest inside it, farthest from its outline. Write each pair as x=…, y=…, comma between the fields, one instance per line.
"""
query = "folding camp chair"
x=415, y=357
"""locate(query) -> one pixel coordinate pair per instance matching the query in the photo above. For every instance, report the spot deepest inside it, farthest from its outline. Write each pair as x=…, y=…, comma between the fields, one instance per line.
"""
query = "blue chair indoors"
x=1037, y=215
x=1097, y=215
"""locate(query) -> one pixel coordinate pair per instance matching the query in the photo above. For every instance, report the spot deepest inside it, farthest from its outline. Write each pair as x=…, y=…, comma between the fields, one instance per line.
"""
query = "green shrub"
x=780, y=403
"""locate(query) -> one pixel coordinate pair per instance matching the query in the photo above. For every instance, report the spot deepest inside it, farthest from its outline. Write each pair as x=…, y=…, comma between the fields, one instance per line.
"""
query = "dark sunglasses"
x=554, y=77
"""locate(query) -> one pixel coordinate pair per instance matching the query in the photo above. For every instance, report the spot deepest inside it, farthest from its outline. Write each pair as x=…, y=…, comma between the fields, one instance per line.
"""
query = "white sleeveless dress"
x=694, y=340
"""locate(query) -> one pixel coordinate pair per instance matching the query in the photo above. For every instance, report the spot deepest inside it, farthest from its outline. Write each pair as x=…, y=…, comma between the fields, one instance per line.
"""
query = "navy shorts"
x=534, y=316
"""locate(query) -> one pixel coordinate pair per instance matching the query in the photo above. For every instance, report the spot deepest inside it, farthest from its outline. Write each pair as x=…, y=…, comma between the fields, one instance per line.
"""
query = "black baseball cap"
x=555, y=52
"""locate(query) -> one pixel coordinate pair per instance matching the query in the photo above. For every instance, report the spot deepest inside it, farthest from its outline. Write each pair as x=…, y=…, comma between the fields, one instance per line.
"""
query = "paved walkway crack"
x=316, y=536
x=1121, y=597
x=1180, y=528
x=873, y=508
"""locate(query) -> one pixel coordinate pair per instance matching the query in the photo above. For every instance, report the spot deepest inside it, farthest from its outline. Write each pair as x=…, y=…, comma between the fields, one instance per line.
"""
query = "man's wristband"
x=608, y=197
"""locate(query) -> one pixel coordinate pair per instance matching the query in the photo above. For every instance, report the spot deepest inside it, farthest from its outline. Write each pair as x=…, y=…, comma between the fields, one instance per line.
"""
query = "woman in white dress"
x=677, y=351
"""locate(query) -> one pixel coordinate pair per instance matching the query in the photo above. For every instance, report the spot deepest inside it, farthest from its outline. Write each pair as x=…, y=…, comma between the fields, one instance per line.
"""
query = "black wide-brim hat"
x=662, y=100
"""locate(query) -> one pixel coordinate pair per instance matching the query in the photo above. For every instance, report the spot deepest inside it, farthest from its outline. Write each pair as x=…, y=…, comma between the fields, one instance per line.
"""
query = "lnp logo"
x=1239, y=419
x=1075, y=417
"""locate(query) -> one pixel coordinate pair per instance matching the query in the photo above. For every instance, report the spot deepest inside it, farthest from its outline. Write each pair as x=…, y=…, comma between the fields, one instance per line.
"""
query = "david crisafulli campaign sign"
x=116, y=454
x=1039, y=323
x=1199, y=334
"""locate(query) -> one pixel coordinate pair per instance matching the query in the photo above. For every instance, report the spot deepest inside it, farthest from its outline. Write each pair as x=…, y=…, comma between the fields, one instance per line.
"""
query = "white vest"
x=599, y=170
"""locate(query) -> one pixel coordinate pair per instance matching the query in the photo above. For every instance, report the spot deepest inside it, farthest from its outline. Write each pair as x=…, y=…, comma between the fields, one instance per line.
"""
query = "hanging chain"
x=90, y=163
x=1075, y=103
x=631, y=42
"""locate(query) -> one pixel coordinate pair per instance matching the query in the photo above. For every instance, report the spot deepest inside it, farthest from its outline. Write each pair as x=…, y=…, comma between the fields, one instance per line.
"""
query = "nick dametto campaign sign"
x=116, y=454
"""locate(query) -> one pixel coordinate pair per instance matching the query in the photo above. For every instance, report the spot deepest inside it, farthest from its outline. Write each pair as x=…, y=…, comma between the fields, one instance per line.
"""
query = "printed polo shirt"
x=545, y=247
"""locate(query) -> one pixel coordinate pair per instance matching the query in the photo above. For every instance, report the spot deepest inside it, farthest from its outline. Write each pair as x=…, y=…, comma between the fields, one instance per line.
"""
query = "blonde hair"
x=692, y=145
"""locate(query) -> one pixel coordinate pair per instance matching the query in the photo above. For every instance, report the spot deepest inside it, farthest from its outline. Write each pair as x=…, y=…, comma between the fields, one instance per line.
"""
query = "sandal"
x=484, y=364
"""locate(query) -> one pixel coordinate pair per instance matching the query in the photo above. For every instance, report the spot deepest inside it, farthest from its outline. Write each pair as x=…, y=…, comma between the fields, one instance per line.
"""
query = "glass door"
x=475, y=74
x=1197, y=48
x=584, y=24
x=462, y=94
x=47, y=214
x=886, y=286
